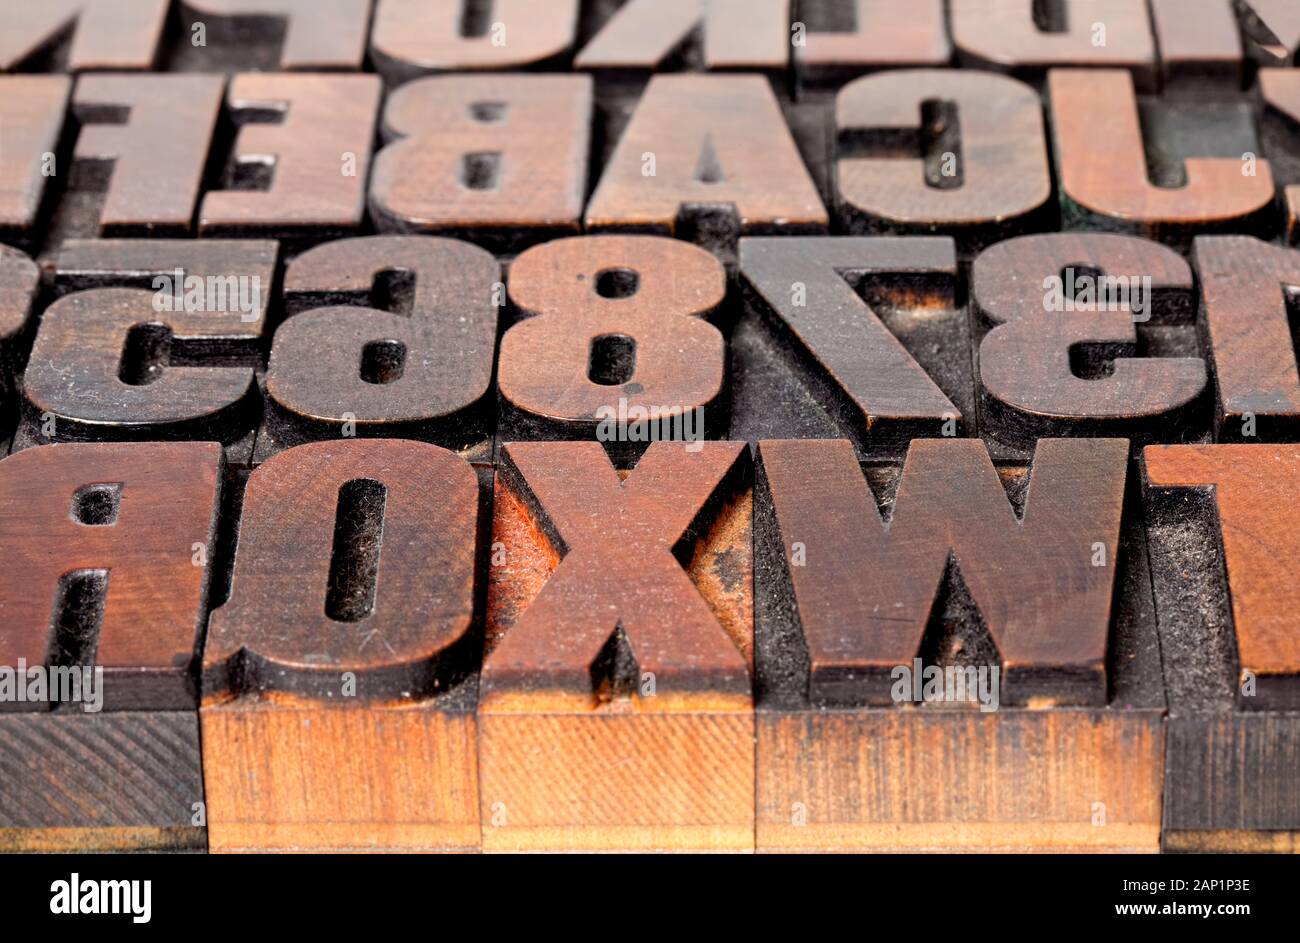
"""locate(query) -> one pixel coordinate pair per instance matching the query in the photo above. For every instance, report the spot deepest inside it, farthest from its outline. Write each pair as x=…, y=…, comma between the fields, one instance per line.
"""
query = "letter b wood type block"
x=616, y=709
x=978, y=672
x=338, y=687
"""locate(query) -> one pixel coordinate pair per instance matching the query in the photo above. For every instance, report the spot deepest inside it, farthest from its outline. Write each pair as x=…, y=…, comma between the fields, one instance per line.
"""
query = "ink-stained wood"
x=1271, y=29
x=1024, y=571
x=1200, y=47
x=976, y=167
x=388, y=336
x=710, y=153
x=1104, y=181
x=19, y=281
x=859, y=35
x=318, y=35
x=81, y=35
x=1280, y=91
x=738, y=35
x=852, y=337
x=1221, y=526
x=500, y=160
x=616, y=708
x=415, y=37
x=108, y=544
x=301, y=157
x=615, y=331
x=1248, y=289
x=1067, y=350
x=1011, y=36
x=148, y=136
x=31, y=113
x=111, y=363
x=338, y=679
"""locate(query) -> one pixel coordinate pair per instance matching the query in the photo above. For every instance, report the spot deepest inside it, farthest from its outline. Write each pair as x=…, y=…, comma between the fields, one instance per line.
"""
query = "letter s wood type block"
x=339, y=677
x=105, y=575
x=945, y=681
x=616, y=709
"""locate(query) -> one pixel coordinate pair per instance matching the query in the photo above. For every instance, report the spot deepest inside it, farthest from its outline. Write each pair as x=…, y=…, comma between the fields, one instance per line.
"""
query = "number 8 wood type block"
x=338, y=680
x=977, y=672
x=616, y=708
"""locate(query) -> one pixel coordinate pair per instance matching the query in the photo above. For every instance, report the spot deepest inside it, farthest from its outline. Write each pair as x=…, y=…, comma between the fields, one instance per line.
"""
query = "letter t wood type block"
x=338, y=680
x=616, y=709
x=953, y=656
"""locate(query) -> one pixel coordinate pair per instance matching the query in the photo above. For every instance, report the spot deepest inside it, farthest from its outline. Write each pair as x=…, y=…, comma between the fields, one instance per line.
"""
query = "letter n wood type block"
x=953, y=656
x=1224, y=538
x=106, y=550
x=338, y=679
x=616, y=708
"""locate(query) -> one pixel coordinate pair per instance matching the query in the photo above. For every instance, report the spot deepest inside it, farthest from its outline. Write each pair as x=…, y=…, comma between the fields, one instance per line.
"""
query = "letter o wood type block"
x=616, y=709
x=338, y=686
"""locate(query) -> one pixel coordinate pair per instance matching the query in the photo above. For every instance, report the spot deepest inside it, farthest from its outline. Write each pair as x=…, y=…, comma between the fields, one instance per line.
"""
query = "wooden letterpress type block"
x=853, y=337
x=31, y=113
x=615, y=343
x=842, y=39
x=1184, y=176
x=415, y=37
x=1249, y=293
x=1280, y=129
x=981, y=672
x=81, y=35
x=290, y=35
x=387, y=336
x=313, y=187
x=616, y=708
x=926, y=151
x=1085, y=334
x=1223, y=534
x=1271, y=31
x=19, y=282
x=500, y=160
x=707, y=158
x=1200, y=47
x=106, y=576
x=1025, y=38
x=339, y=677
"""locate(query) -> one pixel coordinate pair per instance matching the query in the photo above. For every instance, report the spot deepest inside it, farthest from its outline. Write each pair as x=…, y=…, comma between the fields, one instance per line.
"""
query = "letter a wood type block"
x=338, y=679
x=978, y=672
x=1224, y=536
x=616, y=709
x=106, y=550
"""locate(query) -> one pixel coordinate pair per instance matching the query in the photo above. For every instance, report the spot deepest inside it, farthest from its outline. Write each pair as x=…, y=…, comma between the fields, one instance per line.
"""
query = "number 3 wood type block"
x=339, y=678
x=979, y=672
x=616, y=708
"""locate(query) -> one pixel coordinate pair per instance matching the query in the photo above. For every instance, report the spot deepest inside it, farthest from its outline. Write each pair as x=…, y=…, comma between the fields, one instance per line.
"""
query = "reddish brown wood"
x=1007, y=35
x=501, y=160
x=19, y=280
x=1083, y=371
x=986, y=168
x=882, y=34
x=1200, y=46
x=318, y=34
x=105, y=34
x=317, y=152
x=751, y=35
x=135, y=524
x=646, y=298
x=1280, y=89
x=31, y=113
x=414, y=37
x=707, y=145
x=154, y=161
x=1104, y=176
x=1257, y=493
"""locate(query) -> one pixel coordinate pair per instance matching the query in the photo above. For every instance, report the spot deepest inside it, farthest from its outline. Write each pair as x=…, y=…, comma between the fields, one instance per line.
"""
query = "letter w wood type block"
x=103, y=590
x=953, y=656
x=339, y=678
x=616, y=709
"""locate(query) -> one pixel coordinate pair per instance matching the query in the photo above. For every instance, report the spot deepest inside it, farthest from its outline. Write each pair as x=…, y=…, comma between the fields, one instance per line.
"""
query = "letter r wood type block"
x=978, y=673
x=616, y=709
x=339, y=682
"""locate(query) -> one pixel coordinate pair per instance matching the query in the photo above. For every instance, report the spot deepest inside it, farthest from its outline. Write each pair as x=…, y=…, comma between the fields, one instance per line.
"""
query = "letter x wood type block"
x=616, y=709
x=1032, y=572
